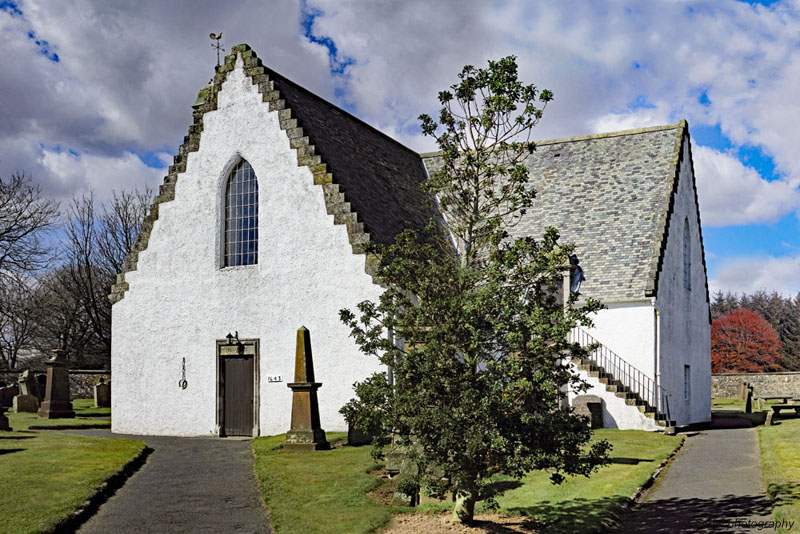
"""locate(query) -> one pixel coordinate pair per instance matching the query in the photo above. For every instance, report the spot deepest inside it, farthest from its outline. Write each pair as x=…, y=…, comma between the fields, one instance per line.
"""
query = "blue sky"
x=96, y=95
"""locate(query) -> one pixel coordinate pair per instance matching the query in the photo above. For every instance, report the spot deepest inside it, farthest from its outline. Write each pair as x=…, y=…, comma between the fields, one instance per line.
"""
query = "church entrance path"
x=192, y=485
x=713, y=485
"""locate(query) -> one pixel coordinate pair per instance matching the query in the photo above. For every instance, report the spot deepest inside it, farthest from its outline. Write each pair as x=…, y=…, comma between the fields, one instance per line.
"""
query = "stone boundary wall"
x=81, y=382
x=764, y=384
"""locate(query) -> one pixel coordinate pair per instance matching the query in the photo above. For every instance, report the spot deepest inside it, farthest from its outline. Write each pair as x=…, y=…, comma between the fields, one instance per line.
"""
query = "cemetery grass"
x=581, y=504
x=780, y=460
x=325, y=491
x=320, y=491
x=727, y=402
x=85, y=414
x=46, y=476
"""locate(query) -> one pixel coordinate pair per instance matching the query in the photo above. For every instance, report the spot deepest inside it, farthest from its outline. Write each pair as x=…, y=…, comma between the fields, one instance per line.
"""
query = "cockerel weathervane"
x=216, y=37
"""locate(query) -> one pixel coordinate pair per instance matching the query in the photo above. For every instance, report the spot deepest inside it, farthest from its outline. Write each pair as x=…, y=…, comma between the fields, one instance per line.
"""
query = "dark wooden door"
x=238, y=395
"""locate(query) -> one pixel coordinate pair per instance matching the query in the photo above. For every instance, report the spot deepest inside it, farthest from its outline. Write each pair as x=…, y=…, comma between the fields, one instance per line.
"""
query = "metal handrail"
x=632, y=378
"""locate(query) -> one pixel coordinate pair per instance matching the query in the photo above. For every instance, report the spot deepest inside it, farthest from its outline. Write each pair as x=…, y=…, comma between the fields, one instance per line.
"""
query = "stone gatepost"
x=56, y=404
x=305, y=433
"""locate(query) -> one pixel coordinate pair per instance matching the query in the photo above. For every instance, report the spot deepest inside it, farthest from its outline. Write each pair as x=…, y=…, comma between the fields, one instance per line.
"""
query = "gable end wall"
x=684, y=330
x=178, y=301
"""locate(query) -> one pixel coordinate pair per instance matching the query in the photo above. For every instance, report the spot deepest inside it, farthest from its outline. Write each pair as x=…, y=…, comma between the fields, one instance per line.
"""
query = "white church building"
x=260, y=228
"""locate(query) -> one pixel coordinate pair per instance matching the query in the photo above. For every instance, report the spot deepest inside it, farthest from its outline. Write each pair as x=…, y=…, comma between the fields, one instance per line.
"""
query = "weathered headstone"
x=28, y=385
x=7, y=395
x=356, y=436
x=25, y=404
x=590, y=406
x=102, y=394
x=770, y=415
x=305, y=433
x=4, y=420
x=742, y=390
x=56, y=404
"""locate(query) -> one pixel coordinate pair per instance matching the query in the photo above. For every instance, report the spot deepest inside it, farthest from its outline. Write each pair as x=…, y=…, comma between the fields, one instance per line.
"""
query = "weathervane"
x=216, y=37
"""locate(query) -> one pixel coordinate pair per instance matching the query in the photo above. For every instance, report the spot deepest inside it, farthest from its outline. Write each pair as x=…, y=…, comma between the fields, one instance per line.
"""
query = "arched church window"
x=687, y=256
x=241, y=216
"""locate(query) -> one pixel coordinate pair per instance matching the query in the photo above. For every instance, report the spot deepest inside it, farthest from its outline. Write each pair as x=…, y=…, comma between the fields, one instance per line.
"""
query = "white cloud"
x=732, y=194
x=748, y=275
x=100, y=174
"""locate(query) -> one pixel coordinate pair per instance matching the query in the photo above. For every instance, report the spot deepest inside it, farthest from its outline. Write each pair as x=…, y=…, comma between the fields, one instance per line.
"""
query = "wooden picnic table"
x=783, y=398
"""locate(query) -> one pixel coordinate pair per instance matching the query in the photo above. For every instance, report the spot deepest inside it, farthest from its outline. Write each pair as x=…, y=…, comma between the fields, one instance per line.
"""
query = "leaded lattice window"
x=241, y=217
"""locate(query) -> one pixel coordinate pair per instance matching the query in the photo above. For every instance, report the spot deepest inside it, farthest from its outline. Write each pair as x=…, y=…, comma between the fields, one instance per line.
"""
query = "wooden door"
x=237, y=396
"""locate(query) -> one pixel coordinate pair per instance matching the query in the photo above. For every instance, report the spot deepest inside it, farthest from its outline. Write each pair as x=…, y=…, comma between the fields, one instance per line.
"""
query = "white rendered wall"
x=628, y=329
x=616, y=414
x=685, y=332
x=180, y=301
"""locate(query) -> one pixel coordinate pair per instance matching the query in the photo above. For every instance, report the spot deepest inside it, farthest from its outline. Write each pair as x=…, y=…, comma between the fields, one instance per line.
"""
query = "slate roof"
x=609, y=195
x=379, y=176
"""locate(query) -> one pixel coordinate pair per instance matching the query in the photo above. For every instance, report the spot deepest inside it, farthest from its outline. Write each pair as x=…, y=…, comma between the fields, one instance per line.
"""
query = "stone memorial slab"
x=102, y=394
x=25, y=404
x=7, y=395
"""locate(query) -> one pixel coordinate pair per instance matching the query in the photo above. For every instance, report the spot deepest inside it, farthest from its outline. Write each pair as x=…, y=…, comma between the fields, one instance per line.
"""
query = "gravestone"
x=102, y=394
x=28, y=385
x=3, y=419
x=590, y=406
x=56, y=404
x=306, y=434
x=748, y=403
x=25, y=404
x=7, y=395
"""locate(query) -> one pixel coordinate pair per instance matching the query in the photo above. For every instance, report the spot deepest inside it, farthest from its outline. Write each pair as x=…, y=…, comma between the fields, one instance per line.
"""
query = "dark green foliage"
x=478, y=336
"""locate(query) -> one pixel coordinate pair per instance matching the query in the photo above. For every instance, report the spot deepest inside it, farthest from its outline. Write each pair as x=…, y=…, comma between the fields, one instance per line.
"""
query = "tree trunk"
x=464, y=508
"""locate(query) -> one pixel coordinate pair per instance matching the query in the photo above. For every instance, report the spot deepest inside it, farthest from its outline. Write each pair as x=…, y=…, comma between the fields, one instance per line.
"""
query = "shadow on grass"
x=497, y=488
x=784, y=494
x=9, y=451
x=576, y=516
x=17, y=437
x=727, y=514
x=629, y=461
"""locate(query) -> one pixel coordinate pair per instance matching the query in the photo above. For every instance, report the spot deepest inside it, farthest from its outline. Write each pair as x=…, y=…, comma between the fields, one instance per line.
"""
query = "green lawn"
x=780, y=459
x=730, y=402
x=325, y=491
x=583, y=504
x=45, y=476
x=84, y=414
x=321, y=491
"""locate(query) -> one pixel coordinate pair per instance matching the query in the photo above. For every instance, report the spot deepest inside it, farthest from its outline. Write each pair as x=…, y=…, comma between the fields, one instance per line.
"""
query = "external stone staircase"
x=621, y=379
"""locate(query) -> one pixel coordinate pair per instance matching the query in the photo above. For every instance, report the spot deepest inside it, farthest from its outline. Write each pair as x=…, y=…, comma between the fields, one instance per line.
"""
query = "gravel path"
x=192, y=485
x=713, y=485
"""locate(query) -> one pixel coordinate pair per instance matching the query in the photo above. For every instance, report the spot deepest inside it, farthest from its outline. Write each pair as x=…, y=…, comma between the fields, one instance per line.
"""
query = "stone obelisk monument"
x=56, y=402
x=305, y=433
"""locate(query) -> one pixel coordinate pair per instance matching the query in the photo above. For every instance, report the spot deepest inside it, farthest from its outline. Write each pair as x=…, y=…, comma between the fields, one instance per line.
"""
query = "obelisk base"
x=306, y=440
x=56, y=404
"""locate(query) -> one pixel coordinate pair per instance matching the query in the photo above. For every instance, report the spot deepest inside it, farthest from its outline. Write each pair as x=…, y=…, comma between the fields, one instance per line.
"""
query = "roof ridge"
x=588, y=137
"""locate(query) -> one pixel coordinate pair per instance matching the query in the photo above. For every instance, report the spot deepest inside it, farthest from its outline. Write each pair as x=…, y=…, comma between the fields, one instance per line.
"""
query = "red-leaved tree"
x=744, y=342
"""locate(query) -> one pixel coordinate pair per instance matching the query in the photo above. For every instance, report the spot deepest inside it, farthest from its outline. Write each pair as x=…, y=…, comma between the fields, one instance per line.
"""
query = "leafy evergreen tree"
x=480, y=371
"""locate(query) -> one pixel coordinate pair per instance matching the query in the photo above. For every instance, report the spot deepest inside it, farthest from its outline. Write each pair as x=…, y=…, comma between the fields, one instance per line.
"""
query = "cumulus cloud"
x=99, y=174
x=746, y=275
x=733, y=194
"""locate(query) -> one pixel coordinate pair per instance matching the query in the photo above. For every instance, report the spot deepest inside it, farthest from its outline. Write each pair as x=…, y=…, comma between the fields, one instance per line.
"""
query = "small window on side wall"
x=687, y=256
x=687, y=382
x=241, y=216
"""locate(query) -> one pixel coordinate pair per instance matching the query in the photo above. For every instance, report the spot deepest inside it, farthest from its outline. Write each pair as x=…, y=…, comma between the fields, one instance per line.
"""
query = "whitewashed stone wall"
x=685, y=332
x=181, y=301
